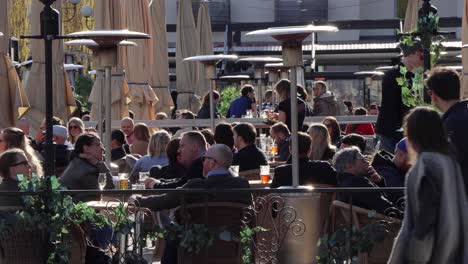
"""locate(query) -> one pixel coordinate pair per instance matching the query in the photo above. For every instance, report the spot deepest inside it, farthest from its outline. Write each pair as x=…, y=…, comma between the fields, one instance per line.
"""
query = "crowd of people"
x=428, y=156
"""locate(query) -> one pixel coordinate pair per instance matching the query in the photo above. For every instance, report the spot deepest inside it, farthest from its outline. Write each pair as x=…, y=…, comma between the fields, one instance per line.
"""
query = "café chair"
x=342, y=217
x=217, y=216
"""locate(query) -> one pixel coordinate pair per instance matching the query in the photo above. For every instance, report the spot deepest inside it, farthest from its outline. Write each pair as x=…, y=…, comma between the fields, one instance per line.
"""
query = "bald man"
x=127, y=127
x=216, y=163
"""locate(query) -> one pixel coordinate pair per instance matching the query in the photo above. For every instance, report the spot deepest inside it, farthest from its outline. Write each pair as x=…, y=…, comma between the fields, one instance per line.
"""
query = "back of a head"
x=280, y=128
x=7, y=159
x=14, y=138
x=86, y=118
x=355, y=140
x=333, y=123
x=445, y=83
x=118, y=136
x=247, y=132
x=344, y=157
x=206, y=98
x=209, y=136
x=186, y=114
x=195, y=138
x=302, y=92
x=421, y=138
x=269, y=95
x=222, y=154
x=158, y=143
x=223, y=135
x=304, y=142
x=172, y=149
x=60, y=131
x=141, y=132
x=161, y=116
x=319, y=132
x=246, y=89
x=360, y=111
x=85, y=139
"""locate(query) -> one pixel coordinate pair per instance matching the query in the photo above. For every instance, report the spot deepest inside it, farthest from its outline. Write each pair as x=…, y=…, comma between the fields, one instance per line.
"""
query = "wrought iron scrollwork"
x=272, y=213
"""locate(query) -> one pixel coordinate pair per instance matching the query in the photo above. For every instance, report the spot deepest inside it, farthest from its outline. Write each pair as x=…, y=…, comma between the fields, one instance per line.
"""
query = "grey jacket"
x=435, y=226
x=81, y=175
x=326, y=105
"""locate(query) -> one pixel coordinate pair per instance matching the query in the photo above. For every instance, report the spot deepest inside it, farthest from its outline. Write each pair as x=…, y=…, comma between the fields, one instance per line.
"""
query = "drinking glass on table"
x=102, y=180
x=234, y=170
x=265, y=173
x=273, y=150
x=143, y=176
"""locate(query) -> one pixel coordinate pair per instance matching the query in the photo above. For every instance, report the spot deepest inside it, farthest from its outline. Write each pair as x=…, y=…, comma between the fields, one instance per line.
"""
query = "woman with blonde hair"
x=12, y=137
x=321, y=147
x=142, y=136
x=156, y=154
x=75, y=128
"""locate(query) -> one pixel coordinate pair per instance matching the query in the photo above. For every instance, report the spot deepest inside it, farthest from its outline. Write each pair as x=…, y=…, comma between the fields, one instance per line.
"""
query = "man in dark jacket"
x=192, y=146
x=392, y=108
x=444, y=89
x=216, y=162
x=310, y=172
x=352, y=167
x=248, y=157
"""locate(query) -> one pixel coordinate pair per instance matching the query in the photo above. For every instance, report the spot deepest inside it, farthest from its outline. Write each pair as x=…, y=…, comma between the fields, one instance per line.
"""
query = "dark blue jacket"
x=239, y=107
x=456, y=124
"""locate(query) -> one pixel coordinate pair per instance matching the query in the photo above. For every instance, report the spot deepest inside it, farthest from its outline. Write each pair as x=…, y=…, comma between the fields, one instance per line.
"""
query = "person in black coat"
x=174, y=168
x=204, y=112
x=192, y=146
x=248, y=157
x=352, y=167
x=392, y=108
x=444, y=89
x=310, y=172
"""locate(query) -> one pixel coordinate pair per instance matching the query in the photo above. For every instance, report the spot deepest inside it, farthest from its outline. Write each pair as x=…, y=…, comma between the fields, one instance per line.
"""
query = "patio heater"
x=210, y=61
x=276, y=72
x=368, y=76
x=258, y=64
x=291, y=39
x=99, y=72
x=108, y=41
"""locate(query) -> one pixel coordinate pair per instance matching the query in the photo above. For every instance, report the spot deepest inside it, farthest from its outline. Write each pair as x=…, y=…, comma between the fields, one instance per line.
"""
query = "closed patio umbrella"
x=464, y=88
x=205, y=47
x=186, y=46
x=138, y=61
x=63, y=101
x=13, y=100
x=160, y=72
x=108, y=15
x=411, y=15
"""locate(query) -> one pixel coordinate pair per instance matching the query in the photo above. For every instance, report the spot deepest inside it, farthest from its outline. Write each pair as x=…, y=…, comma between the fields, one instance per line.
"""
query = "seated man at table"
x=352, y=168
x=353, y=140
x=216, y=162
x=310, y=172
x=248, y=156
x=192, y=146
x=279, y=132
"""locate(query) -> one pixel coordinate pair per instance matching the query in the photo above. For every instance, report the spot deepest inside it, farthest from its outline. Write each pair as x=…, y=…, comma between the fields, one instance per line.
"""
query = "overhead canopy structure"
x=186, y=46
x=63, y=101
x=13, y=100
x=108, y=15
x=160, y=70
x=138, y=62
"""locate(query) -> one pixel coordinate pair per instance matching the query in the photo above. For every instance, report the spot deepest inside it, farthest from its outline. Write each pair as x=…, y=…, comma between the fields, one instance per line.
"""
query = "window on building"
x=301, y=11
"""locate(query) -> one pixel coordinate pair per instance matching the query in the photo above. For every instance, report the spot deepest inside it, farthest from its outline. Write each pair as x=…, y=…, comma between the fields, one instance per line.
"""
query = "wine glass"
x=102, y=180
x=273, y=149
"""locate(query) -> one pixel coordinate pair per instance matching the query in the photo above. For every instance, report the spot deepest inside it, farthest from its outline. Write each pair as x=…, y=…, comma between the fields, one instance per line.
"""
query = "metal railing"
x=271, y=199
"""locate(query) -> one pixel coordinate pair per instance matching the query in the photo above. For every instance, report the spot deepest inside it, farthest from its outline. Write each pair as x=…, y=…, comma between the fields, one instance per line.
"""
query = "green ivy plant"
x=55, y=215
x=246, y=237
x=412, y=91
x=191, y=237
x=344, y=245
x=228, y=95
x=83, y=87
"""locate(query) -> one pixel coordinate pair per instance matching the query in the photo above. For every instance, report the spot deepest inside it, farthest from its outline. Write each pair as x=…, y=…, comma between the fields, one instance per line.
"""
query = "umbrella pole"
x=100, y=78
x=212, y=112
x=108, y=115
x=294, y=128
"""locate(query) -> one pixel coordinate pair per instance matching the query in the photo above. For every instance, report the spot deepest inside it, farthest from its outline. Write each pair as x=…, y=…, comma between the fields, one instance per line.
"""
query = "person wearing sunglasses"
x=13, y=164
x=75, y=128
